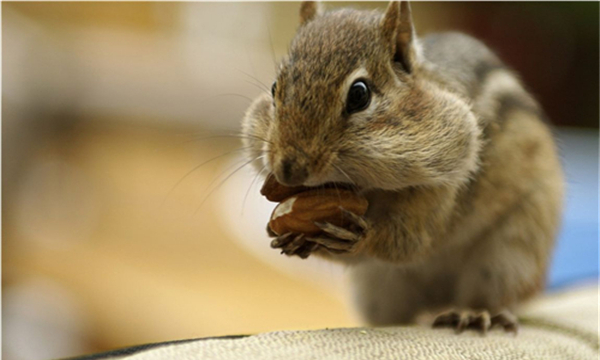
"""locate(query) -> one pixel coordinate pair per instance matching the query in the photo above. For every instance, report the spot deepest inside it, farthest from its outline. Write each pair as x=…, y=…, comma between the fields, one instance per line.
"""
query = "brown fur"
x=461, y=173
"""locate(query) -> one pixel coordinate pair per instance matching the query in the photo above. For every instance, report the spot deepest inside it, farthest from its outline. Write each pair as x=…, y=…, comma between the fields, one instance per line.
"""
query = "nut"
x=298, y=213
x=276, y=192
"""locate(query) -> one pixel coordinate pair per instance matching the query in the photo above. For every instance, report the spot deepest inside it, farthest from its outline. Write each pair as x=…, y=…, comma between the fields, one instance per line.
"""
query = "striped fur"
x=461, y=172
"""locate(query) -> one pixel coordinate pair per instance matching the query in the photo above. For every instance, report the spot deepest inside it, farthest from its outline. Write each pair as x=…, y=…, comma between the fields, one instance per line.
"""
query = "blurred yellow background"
x=112, y=233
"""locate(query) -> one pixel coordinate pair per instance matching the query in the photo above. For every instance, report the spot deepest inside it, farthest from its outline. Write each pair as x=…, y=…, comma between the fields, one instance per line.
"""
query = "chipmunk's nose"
x=291, y=172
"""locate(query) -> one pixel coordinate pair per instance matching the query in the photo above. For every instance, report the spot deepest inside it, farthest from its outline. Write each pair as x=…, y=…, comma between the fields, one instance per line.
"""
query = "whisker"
x=222, y=173
x=250, y=187
x=345, y=174
x=198, y=167
x=252, y=68
x=263, y=86
x=258, y=138
x=257, y=86
x=224, y=180
x=212, y=97
x=236, y=136
x=272, y=48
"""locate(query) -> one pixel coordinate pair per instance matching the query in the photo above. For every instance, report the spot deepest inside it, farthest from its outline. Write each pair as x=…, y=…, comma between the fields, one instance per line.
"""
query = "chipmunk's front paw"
x=294, y=244
x=339, y=240
x=333, y=239
x=480, y=321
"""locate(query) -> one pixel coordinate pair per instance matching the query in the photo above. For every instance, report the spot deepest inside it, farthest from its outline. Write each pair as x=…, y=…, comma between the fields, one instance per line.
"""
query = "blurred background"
x=123, y=220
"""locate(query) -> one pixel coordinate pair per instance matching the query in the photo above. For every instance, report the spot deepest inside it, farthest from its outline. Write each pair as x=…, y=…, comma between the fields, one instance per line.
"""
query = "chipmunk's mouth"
x=334, y=185
x=274, y=191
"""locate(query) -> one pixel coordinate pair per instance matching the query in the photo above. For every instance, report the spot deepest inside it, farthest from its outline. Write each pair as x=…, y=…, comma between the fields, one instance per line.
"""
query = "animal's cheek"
x=258, y=118
x=261, y=110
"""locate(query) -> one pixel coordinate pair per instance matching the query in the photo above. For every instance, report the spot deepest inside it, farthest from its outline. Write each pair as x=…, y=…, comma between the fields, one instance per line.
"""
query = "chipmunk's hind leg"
x=481, y=321
x=503, y=268
x=386, y=295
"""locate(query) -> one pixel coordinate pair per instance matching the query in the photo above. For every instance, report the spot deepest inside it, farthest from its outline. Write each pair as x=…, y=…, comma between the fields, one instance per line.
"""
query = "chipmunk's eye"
x=273, y=88
x=359, y=97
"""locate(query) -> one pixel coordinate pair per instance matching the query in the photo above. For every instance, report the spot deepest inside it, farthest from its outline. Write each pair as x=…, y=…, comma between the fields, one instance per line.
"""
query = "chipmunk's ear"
x=399, y=35
x=309, y=10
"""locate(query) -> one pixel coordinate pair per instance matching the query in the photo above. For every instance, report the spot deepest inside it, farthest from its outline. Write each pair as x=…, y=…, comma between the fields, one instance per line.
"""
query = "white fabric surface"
x=559, y=326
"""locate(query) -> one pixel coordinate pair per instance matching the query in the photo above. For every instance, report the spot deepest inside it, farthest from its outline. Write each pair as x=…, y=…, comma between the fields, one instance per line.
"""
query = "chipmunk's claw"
x=338, y=240
x=281, y=241
x=507, y=321
x=335, y=246
x=339, y=232
x=358, y=221
x=334, y=239
x=294, y=244
x=480, y=321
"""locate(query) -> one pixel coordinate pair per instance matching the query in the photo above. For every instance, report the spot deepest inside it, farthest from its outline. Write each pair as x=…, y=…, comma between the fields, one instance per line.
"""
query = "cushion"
x=562, y=325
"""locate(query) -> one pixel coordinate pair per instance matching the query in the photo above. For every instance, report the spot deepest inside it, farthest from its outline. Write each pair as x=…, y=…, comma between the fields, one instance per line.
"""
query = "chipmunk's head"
x=352, y=102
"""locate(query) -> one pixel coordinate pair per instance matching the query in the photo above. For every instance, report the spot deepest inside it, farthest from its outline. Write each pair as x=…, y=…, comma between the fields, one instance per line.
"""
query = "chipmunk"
x=454, y=156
